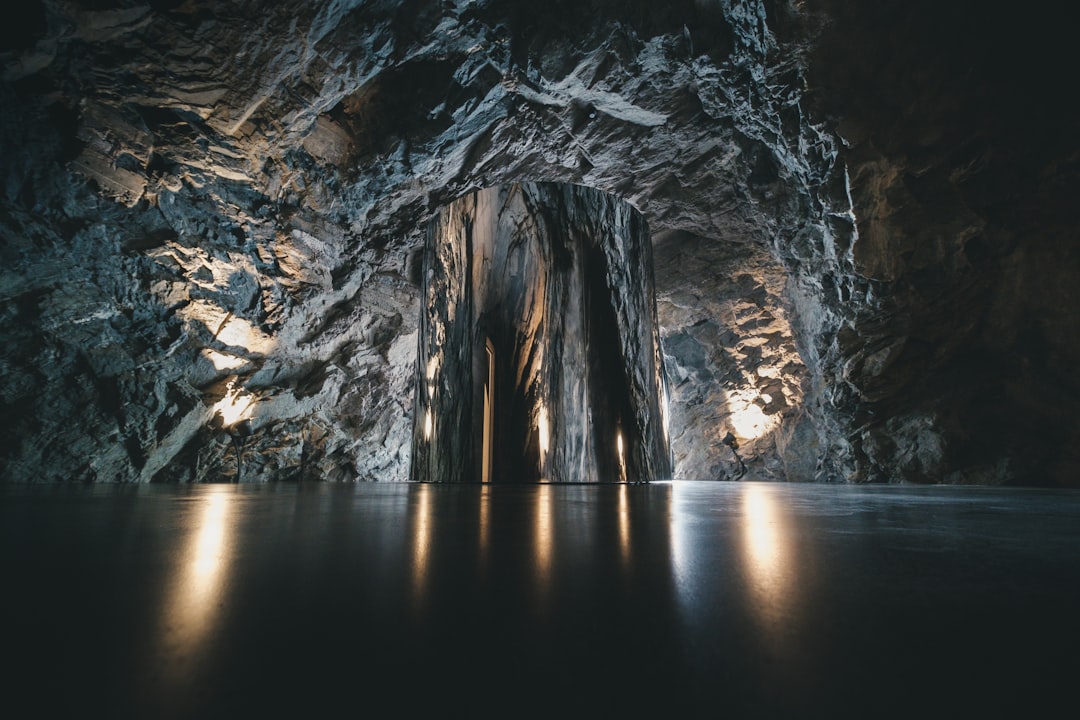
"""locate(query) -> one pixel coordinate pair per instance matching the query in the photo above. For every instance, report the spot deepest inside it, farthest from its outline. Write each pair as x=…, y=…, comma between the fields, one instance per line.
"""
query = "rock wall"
x=732, y=364
x=962, y=167
x=211, y=214
x=539, y=350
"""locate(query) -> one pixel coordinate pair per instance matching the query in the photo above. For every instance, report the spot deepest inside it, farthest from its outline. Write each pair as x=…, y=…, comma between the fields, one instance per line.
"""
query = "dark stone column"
x=558, y=279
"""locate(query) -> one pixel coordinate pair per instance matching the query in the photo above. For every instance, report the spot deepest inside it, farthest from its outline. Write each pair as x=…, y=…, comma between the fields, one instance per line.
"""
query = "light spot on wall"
x=228, y=329
x=748, y=420
x=222, y=361
x=543, y=431
x=236, y=406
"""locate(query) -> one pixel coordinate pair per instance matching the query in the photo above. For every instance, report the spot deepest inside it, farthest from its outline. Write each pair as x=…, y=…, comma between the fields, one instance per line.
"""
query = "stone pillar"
x=554, y=282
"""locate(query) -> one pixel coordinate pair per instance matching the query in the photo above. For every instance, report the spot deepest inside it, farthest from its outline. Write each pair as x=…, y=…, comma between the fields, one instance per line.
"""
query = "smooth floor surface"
x=671, y=599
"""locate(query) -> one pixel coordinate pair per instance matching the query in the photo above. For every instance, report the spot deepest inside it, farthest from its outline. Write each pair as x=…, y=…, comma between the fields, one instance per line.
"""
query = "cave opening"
x=539, y=353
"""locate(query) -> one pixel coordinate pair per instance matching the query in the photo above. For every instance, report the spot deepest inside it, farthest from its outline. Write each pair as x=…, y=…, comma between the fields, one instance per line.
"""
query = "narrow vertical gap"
x=489, y=411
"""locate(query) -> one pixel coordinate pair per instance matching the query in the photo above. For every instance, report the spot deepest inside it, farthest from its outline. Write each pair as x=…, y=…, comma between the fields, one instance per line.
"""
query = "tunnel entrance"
x=539, y=356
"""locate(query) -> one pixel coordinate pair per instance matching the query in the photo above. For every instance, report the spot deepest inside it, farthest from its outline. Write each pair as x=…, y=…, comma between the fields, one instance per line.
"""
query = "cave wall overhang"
x=209, y=211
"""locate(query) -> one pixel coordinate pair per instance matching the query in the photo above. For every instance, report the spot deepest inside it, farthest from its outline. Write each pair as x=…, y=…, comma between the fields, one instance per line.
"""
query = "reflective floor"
x=685, y=599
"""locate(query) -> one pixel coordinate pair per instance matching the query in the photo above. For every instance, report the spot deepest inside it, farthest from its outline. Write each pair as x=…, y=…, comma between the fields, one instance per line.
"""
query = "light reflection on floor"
x=421, y=522
x=193, y=603
x=542, y=549
x=768, y=552
x=624, y=525
x=760, y=599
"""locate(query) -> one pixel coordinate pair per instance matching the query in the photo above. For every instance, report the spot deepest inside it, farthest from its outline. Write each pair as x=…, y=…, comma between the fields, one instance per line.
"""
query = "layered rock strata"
x=212, y=213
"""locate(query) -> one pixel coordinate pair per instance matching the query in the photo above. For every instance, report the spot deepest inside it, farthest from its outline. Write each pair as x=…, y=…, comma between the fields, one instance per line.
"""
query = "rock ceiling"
x=862, y=218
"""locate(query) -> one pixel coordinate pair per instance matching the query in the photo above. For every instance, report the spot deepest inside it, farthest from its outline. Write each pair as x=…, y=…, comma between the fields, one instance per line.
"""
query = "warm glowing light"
x=222, y=361
x=622, y=460
x=428, y=424
x=747, y=418
x=542, y=431
x=761, y=533
x=238, y=332
x=206, y=550
x=766, y=553
x=432, y=369
x=769, y=568
x=421, y=543
x=544, y=539
x=236, y=406
x=194, y=601
x=485, y=523
x=488, y=448
x=624, y=525
x=227, y=328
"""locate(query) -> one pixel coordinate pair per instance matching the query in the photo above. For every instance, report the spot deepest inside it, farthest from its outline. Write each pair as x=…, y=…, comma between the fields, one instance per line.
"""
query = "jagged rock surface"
x=731, y=363
x=213, y=210
x=539, y=354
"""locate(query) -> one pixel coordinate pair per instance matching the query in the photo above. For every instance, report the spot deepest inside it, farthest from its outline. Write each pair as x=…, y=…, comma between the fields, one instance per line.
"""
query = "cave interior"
x=264, y=263
x=214, y=217
x=539, y=356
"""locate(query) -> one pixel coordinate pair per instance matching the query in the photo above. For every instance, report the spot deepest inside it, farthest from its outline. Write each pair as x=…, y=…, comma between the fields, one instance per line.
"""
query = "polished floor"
x=673, y=599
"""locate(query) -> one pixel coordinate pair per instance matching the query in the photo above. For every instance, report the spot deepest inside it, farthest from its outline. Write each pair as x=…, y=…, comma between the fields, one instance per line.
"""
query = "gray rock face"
x=539, y=355
x=732, y=363
x=211, y=218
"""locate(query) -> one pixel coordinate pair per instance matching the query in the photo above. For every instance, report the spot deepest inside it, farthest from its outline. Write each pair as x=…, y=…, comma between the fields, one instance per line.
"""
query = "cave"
x=860, y=230
x=811, y=263
x=539, y=354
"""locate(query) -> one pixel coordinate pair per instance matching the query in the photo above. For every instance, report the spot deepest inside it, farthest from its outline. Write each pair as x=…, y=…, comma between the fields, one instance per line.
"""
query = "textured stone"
x=539, y=355
x=730, y=357
x=208, y=201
